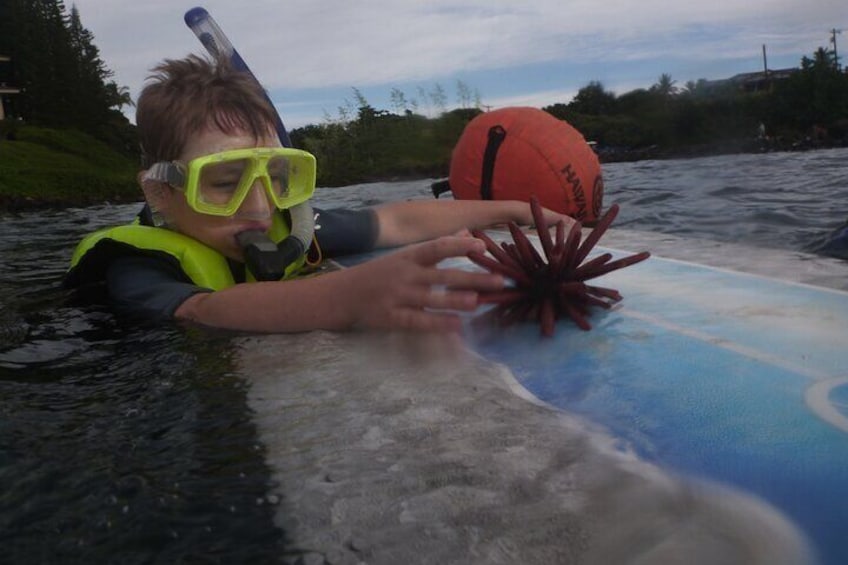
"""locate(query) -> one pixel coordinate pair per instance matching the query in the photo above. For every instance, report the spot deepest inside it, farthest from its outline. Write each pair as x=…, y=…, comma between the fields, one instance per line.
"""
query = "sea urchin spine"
x=553, y=286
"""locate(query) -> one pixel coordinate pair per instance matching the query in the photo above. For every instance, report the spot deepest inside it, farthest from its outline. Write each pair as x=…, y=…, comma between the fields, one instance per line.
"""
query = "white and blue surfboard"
x=736, y=377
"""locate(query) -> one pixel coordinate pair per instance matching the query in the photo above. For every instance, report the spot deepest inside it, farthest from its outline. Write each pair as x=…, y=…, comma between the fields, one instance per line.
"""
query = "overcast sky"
x=310, y=54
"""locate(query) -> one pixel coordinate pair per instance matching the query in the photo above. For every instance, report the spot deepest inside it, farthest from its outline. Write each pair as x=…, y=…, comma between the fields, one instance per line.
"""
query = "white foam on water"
x=411, y=449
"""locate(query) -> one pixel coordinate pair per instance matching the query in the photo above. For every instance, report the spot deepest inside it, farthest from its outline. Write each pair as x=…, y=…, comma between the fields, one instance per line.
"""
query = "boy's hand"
x=525, y=217
x=405, y=290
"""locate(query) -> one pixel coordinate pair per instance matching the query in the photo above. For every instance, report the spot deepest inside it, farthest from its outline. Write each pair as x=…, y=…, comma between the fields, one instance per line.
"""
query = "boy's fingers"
x=459, y=279
x=431, y=252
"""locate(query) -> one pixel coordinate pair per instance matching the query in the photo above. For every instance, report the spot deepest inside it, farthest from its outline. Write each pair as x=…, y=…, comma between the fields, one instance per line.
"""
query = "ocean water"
x=125, y=442
x=789, y=201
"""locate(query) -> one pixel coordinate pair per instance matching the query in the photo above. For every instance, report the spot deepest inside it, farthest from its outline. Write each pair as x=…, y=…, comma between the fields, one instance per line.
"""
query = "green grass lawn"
x=43, y=167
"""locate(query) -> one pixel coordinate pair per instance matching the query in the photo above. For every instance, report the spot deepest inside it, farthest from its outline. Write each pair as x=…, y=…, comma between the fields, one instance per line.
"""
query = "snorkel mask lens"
x=217, y=184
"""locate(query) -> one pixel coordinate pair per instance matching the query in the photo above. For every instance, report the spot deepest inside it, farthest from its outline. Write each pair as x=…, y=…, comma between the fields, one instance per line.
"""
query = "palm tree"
x=665, y=86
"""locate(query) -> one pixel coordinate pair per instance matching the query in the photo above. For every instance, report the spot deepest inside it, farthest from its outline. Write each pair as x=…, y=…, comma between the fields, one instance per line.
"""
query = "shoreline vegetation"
x=44, y=168
x=65, y=142
x=51, y=168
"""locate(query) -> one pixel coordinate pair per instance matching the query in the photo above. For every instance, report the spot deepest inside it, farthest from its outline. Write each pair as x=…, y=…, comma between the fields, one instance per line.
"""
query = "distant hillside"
x=42, y=167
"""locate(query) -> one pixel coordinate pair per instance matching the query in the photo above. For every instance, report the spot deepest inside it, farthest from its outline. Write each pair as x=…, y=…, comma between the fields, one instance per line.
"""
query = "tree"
x=118, y=96
x=366, y=113
x=439, y=98
x=424, y=99
x=464, y=96
x=64, y=81
x=398, y=101
x=635, y=102
x=818, y=94
x=697, y=88
x=665, y=85
x=593, y=100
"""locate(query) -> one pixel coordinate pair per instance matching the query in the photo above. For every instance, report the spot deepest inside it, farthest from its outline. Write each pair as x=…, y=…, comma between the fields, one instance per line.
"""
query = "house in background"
x=752, y=82
x=5, y=88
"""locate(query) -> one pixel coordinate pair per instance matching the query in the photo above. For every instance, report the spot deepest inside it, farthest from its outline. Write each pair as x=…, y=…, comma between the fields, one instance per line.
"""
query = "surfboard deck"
x=736, y=377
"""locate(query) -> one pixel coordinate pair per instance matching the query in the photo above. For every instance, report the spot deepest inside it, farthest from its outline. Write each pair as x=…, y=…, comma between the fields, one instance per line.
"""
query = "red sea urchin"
x=551, y=287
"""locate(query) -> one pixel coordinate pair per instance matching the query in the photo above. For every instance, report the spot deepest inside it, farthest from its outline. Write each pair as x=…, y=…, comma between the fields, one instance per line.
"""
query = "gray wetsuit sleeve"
x=147, y=287
x=345, y=232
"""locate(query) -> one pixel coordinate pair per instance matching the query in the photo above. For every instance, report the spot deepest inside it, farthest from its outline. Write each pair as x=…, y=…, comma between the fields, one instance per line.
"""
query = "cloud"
x=308, y=45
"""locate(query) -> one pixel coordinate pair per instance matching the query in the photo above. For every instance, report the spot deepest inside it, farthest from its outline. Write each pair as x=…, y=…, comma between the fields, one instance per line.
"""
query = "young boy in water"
x=216, y=173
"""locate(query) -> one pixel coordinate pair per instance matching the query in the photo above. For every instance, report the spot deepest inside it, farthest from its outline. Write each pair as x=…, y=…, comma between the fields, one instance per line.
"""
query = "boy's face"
x=217, y=232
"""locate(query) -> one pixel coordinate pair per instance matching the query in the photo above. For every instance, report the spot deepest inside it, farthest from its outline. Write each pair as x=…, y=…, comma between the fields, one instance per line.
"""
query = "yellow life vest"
x=201, y=264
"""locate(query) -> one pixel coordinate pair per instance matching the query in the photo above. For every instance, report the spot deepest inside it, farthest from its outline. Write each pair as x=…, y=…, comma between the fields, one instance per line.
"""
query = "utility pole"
x=833, y=33
x=766, y=81
x=765, y=62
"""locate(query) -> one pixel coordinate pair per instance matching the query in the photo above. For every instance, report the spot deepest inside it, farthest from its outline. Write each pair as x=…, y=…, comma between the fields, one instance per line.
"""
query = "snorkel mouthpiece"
x=265, y=259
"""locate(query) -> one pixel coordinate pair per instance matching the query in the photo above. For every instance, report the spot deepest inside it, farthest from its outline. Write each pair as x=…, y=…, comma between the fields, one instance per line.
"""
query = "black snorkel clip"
x=266, y=259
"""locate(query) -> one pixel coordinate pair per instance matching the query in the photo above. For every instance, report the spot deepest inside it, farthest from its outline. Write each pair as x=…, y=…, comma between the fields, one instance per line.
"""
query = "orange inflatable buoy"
x=514, y=153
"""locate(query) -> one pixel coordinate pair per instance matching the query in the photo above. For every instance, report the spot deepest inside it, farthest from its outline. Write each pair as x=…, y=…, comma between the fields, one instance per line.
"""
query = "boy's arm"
x=401, y=223
x=400, y=290
x=147, y=286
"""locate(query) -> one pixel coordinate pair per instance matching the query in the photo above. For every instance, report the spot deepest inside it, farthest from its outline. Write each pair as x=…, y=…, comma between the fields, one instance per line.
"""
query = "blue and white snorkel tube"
x=265, y=260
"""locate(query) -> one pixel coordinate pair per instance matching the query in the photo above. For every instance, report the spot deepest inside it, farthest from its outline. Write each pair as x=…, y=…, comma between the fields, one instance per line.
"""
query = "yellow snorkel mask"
x=217, y=184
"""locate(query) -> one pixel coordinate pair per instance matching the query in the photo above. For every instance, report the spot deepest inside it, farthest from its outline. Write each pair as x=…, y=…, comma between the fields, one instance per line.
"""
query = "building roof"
x=775, y=74
x=754, y=80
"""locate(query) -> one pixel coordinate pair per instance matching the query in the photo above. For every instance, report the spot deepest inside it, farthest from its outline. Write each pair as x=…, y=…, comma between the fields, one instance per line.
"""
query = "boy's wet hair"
x=185, y=96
